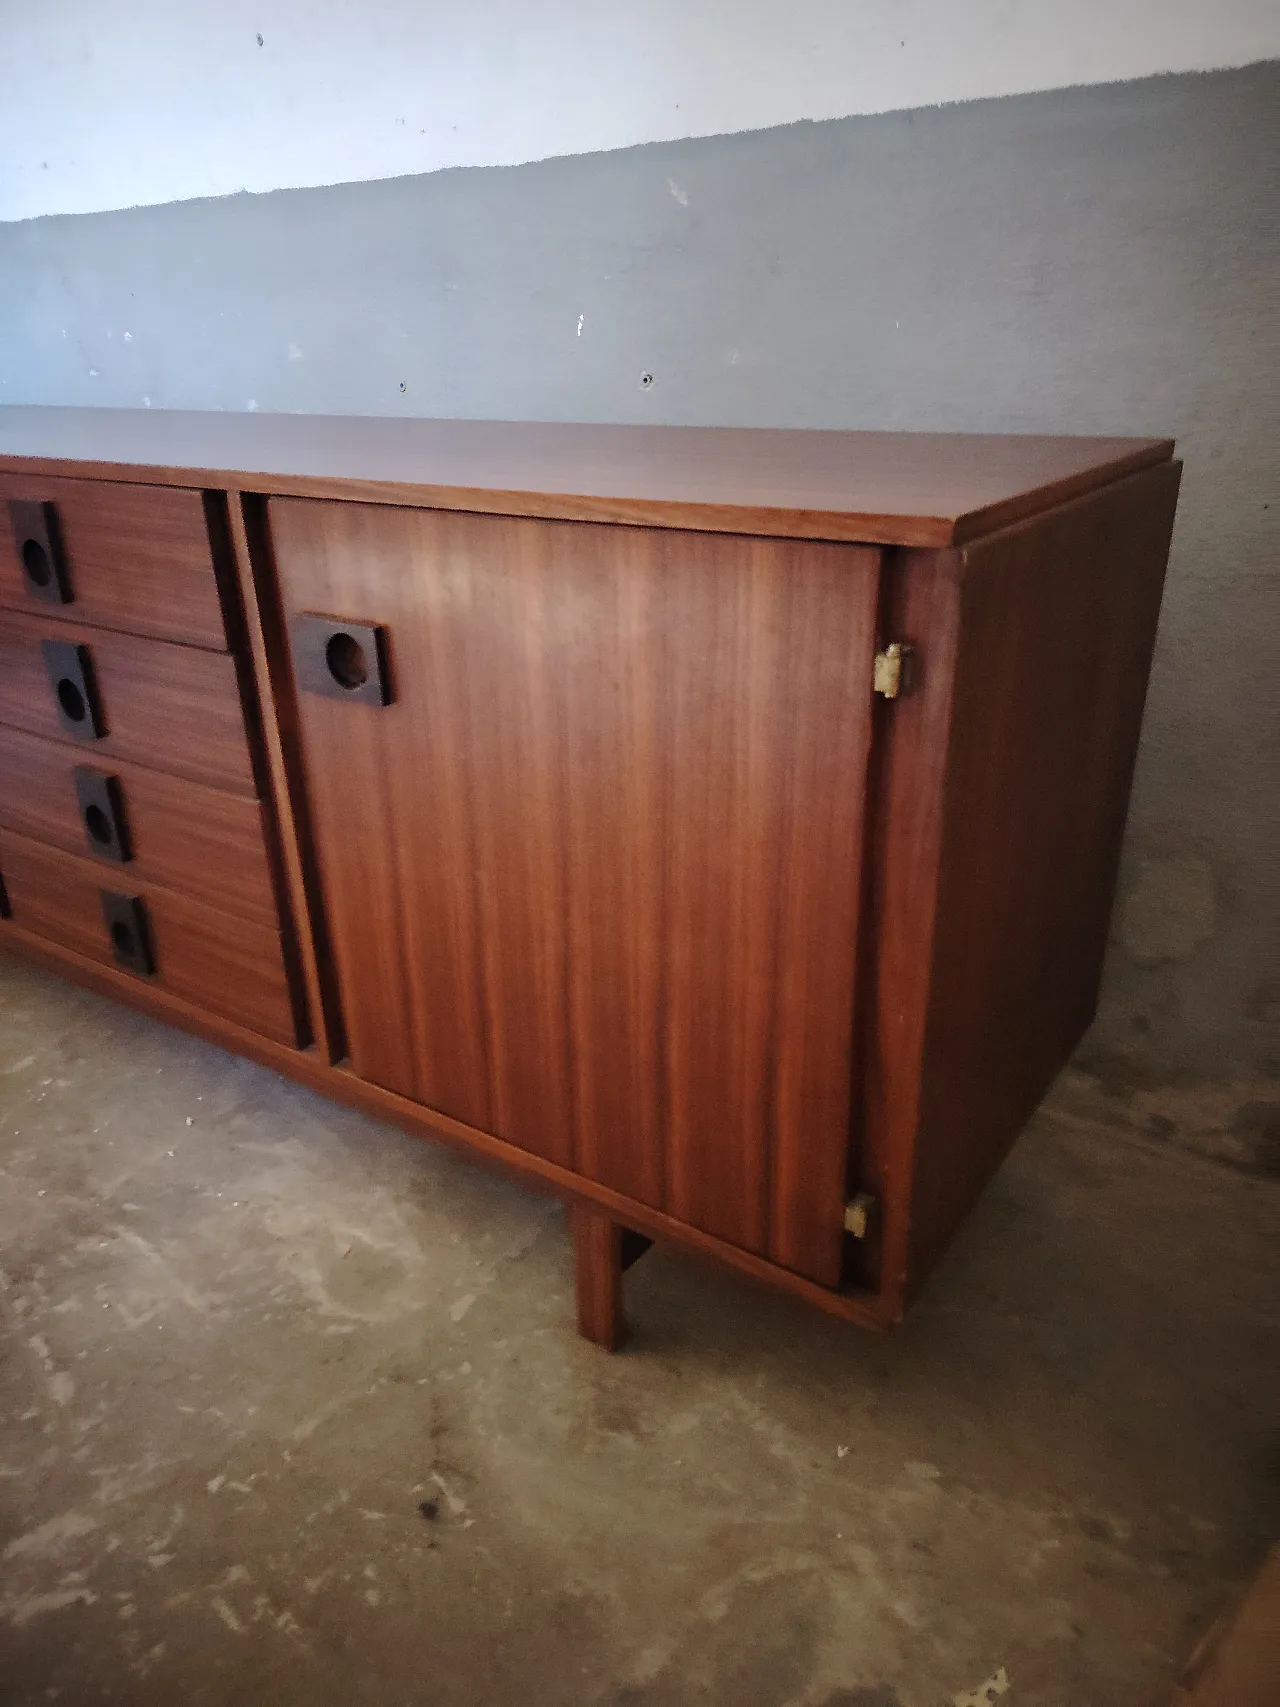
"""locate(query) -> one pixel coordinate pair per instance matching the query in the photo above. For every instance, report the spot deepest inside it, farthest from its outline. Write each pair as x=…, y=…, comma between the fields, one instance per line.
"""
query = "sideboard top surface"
x=927, y=489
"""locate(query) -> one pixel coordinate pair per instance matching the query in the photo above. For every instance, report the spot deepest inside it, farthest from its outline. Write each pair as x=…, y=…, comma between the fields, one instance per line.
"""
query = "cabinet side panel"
x=1057, y=625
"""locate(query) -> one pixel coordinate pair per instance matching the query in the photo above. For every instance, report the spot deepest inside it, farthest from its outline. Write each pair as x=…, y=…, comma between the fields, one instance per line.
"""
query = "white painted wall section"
x=116, y=103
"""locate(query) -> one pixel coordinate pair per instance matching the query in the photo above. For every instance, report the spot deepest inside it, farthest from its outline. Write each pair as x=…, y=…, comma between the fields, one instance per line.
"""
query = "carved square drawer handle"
x=101, y=802
x=39, y=545
x=125, y=917
x=75, y=689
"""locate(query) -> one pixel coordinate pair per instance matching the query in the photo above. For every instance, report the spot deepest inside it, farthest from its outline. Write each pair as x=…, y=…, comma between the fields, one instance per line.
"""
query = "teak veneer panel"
x=227, y=965
x=887, y=488
x=1056, y=628
x=1003, y=787
x=592, y=878
x=175, y=708
x=202, y=841
x=138, y=558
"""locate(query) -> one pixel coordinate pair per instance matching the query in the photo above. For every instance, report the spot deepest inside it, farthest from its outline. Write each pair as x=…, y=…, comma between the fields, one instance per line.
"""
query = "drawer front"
x=224, y=964
x=136, y=558
x=172, y=707
x=139, y=825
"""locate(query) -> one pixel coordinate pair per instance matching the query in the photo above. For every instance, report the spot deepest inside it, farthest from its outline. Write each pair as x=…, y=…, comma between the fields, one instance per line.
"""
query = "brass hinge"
x=895, y=672
x=859, y=1213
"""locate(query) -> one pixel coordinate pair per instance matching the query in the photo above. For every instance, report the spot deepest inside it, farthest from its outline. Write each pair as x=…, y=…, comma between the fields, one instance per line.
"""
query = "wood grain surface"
x=223, y=963
x=297, y=885
x=174, y=708
x=592, y=878
x=138, y=558
x=201, y=841
x=1000, y=819
x=597, y=1276
x=921, y=604
x=891, y=488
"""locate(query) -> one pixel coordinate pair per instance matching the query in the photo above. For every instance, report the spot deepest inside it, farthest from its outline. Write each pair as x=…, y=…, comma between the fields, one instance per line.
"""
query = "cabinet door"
x=592, y=874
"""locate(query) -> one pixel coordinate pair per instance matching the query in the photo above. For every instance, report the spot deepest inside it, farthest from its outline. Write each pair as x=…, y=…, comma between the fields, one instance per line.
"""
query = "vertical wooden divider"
x=325, y=1027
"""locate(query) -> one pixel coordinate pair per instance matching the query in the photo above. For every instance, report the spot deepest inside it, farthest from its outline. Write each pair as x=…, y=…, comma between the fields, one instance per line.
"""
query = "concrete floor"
x=292, y=1411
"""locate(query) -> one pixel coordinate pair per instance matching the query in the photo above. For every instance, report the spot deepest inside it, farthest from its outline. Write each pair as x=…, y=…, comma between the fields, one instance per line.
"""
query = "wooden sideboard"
x=717, y=828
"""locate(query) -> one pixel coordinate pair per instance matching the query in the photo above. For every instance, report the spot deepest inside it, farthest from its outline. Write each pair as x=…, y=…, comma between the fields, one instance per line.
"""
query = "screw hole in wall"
x=646, y=380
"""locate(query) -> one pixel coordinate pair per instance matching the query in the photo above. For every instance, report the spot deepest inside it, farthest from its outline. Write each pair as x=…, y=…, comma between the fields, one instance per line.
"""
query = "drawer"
x=136, y=558
x=172, y=707
x=171, y=832
x=212, y=959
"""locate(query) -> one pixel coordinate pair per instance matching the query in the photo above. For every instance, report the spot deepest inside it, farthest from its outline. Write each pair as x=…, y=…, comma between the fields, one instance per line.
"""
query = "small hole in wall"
x=403, y=386
x=646, y=380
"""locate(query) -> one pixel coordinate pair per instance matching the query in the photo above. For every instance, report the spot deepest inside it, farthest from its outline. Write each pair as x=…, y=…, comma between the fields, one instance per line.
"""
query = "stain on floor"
x=292, y=1411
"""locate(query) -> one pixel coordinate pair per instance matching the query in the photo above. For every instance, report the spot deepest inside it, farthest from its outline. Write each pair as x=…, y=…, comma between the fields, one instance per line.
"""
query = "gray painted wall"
x=1098, y=260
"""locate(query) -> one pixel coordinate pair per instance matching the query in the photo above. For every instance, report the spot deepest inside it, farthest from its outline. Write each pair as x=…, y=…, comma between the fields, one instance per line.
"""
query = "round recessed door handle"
x=98, y=825
x=346, y=661
x=342, y=660
x=71, y=698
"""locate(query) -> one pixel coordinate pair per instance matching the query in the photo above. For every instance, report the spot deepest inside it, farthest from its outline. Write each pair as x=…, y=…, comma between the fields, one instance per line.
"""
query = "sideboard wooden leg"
x=597, y=1260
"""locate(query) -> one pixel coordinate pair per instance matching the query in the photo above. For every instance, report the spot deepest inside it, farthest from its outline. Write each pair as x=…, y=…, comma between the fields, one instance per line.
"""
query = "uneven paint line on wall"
x=134, y=106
